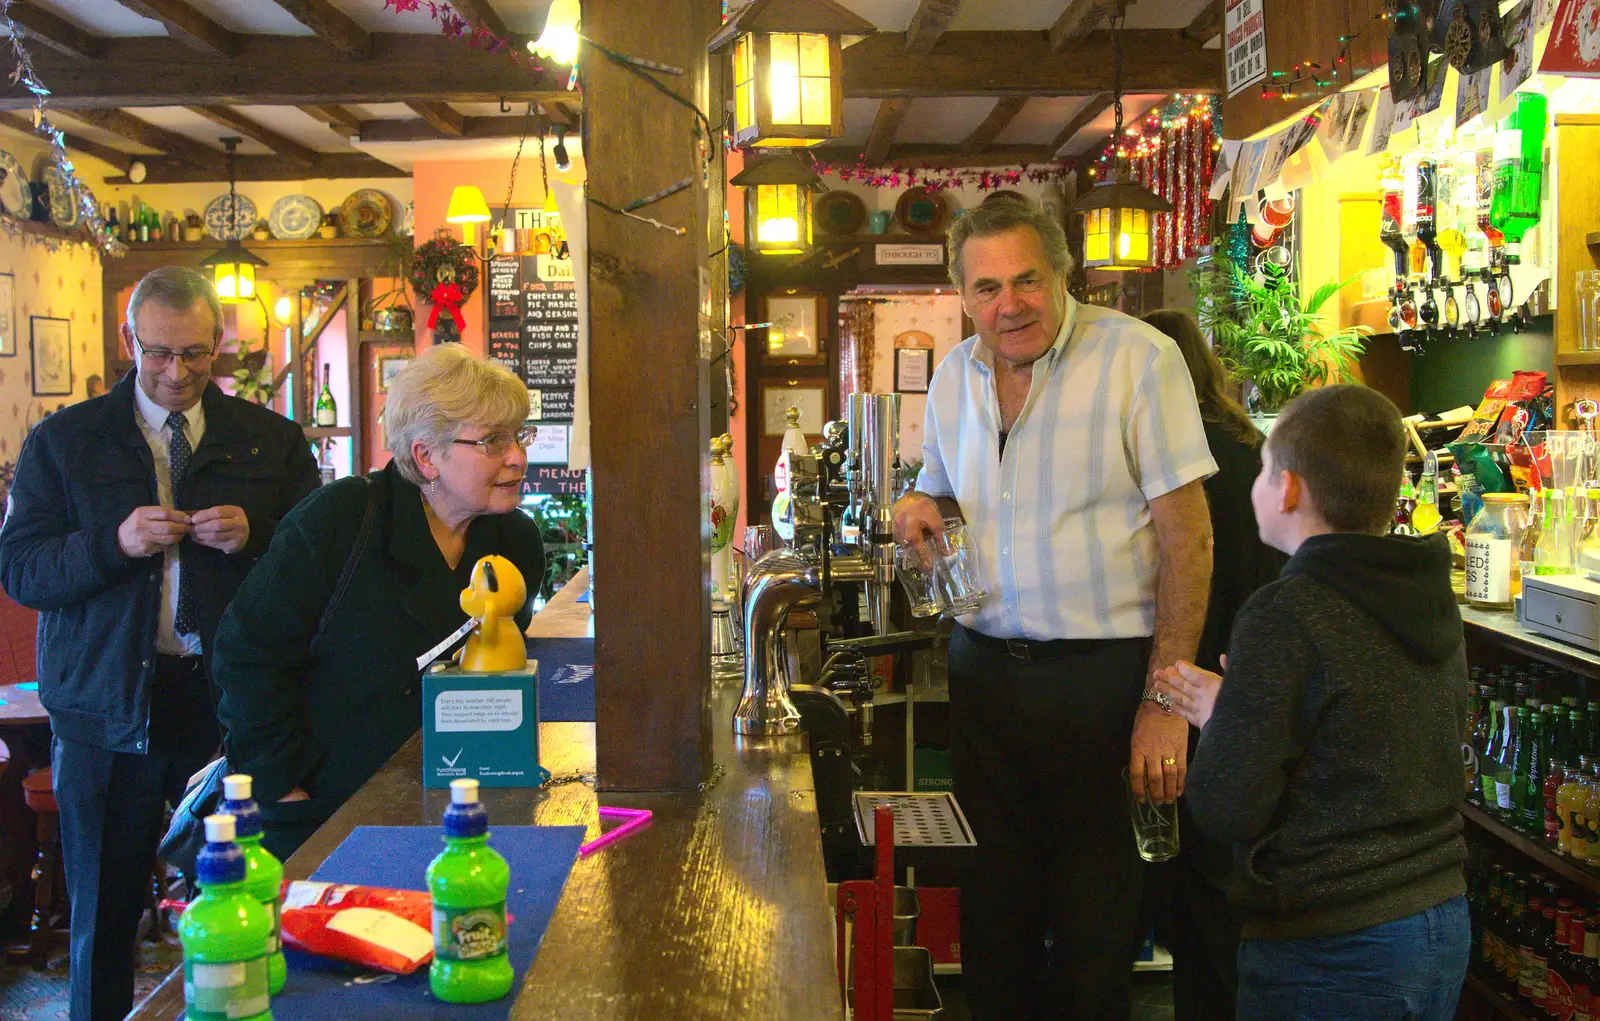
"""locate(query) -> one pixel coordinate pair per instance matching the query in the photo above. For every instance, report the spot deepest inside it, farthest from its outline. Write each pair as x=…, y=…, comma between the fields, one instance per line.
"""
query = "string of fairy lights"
x=1157, y=129
x=1333, y=72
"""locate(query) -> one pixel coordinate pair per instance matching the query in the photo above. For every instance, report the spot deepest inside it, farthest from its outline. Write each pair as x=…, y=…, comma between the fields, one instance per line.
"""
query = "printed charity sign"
x=1245, y=39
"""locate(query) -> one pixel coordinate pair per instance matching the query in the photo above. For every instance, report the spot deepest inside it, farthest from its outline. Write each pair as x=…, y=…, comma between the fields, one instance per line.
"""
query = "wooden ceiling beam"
x=125, y=125
x=561, y=115
x=332, y=26
x=336, y=117
x=884, y=125
x=938, y=157
x=286, y=147
x=1005, y=111
x=104, y=153
x=1078, y=19
x=331, y=165
x=1093, y=107
x=1023, y=64
x=418, y=130
x=189, y=26
x=929, y=23
x=445, y=120
x=284, y=71
x=480, y=14
x=1206, y=26
x=54, y=31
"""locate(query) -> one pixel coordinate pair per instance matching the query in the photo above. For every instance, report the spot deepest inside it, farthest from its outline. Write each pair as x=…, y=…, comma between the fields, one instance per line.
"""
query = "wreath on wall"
x=444, y=272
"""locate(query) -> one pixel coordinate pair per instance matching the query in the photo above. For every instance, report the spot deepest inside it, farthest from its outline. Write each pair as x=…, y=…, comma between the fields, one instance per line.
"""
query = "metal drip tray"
x=930, y=819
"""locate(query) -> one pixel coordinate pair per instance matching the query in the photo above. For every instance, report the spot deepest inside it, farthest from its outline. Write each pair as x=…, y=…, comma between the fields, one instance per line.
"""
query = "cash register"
x=1565, y=607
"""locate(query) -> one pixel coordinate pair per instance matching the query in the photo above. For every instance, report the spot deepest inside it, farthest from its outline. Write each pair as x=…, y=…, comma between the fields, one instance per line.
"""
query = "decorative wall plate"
x=64, y=211
x=840, y=213
x=295, y=217
x=366, y=214
x=920, y=211
x=217, y=221
x=14, y=194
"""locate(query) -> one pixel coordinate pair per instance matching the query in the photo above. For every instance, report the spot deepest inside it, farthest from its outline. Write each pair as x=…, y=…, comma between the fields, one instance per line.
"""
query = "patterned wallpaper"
x=937, y=316
x=64, y=284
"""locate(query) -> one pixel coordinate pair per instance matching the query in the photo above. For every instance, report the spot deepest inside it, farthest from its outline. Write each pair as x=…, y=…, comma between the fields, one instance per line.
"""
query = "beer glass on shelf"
x=1588, y=293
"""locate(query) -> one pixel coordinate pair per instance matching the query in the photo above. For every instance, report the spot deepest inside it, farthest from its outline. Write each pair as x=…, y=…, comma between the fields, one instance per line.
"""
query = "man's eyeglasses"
x=161, y=356
x=496, y=444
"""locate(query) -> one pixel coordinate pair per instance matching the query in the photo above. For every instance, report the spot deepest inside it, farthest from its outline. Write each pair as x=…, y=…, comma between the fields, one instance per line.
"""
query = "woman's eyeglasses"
x=496, y=444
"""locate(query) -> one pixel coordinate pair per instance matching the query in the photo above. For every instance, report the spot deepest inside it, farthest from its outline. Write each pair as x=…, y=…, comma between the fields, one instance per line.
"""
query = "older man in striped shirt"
x=1069, y=439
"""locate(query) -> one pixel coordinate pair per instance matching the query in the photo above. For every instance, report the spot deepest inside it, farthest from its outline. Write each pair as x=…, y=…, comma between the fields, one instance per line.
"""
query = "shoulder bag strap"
x=350, y=562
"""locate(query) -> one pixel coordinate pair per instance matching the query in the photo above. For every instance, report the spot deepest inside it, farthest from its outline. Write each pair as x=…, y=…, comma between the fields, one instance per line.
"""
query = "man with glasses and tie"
x=131, y=522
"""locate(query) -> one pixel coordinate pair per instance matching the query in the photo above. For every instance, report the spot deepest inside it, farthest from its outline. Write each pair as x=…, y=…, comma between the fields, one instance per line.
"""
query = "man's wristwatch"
x=1160, y=698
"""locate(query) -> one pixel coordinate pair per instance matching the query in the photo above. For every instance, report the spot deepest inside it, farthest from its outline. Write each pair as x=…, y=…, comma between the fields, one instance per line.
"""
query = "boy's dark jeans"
x=1409, y=968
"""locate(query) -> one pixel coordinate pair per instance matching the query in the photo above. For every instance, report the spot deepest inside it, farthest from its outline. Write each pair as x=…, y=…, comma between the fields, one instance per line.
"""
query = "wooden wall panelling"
x=649, y=386
x=1299, y=32
x=1577, y=149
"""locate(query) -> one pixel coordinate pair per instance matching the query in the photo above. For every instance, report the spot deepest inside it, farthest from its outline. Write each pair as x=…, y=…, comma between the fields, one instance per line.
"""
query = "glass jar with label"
x=1494, y=576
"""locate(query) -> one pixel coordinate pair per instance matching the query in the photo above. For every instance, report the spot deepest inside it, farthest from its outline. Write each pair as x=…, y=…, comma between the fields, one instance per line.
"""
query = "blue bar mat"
x=397, y=857
x=583, y=598
x=566, y=678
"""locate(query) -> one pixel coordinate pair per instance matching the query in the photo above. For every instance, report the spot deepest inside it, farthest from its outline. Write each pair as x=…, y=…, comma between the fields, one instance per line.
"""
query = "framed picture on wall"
x=913, y=367
x=777, y=400
x=389, y=367
x=794, y=338
x=51, y=344
x=8, y=315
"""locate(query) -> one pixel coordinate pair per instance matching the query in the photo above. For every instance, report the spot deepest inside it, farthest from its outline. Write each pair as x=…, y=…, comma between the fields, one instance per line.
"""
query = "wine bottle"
x=327, y=412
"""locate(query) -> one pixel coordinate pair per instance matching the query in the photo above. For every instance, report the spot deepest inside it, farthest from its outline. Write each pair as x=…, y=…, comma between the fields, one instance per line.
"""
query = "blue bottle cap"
x=239, y=804
x=221, y=860
x=466, y=816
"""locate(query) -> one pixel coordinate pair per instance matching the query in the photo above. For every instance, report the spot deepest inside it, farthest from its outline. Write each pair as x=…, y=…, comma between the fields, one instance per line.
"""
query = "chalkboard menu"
x=554, y=481
x=533, y=320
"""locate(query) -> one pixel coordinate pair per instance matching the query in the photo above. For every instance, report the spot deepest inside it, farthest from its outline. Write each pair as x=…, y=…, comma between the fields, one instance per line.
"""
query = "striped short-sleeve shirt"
x=1061, y=521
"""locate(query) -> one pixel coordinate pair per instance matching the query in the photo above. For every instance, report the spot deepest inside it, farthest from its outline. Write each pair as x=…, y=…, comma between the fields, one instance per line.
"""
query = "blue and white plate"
x=15, y=197
x=217, y=218
x=295, y=218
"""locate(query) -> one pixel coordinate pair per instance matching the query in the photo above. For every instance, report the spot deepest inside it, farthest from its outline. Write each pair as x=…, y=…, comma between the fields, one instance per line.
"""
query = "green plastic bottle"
x=225, y=933
x=263, y=871
x=468, y=884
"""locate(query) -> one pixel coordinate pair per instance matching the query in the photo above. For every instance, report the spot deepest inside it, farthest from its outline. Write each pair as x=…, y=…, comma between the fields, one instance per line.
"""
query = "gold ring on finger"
x=1169, y=762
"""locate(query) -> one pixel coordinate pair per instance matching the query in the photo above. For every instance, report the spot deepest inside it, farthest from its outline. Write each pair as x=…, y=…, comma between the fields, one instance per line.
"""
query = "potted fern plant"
x=1270, y=339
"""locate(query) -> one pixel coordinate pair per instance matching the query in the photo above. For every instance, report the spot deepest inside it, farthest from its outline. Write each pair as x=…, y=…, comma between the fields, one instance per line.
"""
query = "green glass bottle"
x=1531, y=773
x=263, y=871
x=468, y=884
x=1505, y=776
x=1519, y=171
x=225, y=933
x=1489, y=752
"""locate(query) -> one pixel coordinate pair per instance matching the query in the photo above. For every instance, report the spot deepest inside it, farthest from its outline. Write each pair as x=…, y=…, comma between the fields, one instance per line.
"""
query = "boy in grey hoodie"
x=1331, y=757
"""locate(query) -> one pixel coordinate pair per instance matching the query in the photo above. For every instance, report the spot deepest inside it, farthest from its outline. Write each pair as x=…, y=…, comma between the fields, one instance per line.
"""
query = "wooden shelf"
x=1572, y=872
x=325, y=432
x=46, y=230
x=210, y=243
x=1578, y=358
x=1495, y=999
x=383, y=337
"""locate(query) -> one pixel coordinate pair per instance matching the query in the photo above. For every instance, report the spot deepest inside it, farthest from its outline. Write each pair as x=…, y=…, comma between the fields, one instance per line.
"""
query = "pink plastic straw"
x=637, y=817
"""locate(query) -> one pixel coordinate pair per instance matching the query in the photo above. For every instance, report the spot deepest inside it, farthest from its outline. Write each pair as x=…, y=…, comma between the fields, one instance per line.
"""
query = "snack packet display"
x=388, y=930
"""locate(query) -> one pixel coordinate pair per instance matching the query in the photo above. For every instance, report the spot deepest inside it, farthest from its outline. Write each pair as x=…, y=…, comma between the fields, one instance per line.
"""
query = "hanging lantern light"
x=234, y=267
x=786, y=82
x=778, y=204
x=1117, y=212
x=559, y=40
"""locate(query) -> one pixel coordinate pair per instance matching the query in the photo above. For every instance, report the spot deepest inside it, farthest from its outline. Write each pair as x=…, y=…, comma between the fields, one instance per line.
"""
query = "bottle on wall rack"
x=327, y=412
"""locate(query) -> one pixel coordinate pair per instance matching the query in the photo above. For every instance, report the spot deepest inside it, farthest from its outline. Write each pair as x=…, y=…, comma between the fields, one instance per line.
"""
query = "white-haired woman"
x=311, y=716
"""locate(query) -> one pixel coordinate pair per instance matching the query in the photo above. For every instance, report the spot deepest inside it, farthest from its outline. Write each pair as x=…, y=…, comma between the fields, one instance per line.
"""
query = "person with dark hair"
x=1203, y=932
x=132, y=520
x=1068, y=438
x=1330, y=758
x=94, y=386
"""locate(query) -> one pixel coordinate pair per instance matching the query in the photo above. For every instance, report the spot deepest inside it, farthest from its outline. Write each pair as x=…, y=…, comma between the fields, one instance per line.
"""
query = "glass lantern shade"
x=786, y=88
x=1117, y=220
x=233, y=271
x=782, y=215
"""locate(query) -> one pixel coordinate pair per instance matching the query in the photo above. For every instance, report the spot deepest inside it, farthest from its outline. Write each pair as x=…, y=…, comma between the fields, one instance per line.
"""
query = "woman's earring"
x=433, y=486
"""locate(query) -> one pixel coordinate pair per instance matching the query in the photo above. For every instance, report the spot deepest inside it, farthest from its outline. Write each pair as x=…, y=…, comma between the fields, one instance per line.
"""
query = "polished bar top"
x=717, y=909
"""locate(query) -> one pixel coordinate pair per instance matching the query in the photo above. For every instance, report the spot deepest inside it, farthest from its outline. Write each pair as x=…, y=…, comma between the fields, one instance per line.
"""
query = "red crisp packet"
x=389, y=930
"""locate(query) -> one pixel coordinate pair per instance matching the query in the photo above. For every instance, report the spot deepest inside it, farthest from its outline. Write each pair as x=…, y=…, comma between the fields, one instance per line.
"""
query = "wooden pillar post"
x=648, y=391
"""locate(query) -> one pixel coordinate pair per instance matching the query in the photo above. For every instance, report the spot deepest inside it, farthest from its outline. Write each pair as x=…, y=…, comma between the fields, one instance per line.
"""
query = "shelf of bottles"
x=1533, y=869
x=1455, y=217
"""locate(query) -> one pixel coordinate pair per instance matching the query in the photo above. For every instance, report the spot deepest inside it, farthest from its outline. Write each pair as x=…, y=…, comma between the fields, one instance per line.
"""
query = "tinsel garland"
x=1178, y=169
x=93, y=223
x=935, y=179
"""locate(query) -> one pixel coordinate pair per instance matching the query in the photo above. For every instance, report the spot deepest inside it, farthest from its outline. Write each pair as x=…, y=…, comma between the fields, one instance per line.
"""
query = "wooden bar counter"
x=717, y=909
